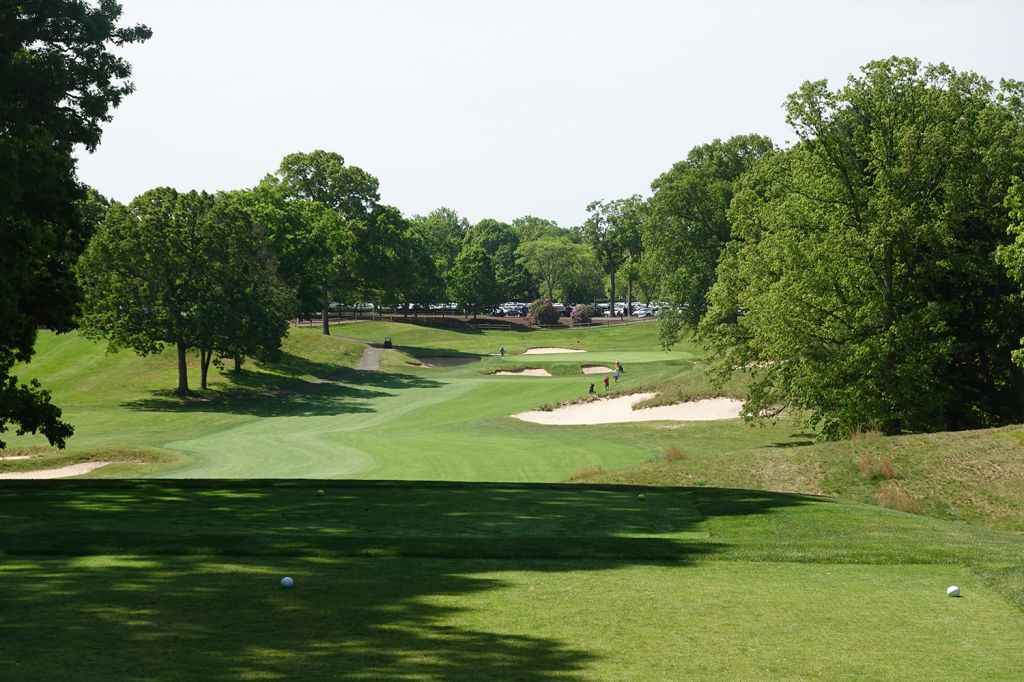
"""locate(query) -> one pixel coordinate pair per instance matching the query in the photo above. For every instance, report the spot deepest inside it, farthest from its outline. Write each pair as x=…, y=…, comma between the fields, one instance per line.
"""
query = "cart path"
x=370, y=360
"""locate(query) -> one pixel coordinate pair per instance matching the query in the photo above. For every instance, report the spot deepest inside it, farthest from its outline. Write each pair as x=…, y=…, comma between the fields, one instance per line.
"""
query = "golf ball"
x=319, y=492
x=953, y=591
x=287, y=582
x=641, y=497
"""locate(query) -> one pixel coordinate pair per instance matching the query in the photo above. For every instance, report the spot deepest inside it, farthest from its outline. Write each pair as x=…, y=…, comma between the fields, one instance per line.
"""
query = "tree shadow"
x=420, y=352
x=140, y=578
x=805, y=439
x=345, y=392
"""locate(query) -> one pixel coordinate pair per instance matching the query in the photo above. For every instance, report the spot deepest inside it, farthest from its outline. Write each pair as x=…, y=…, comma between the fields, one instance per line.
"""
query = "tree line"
x=866, y=277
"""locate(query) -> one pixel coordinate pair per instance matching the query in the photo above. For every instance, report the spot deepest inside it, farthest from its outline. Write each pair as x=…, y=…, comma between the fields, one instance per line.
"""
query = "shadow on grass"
x=344, y=392
x=178, y=580
x=804, y=439
x=418, y=352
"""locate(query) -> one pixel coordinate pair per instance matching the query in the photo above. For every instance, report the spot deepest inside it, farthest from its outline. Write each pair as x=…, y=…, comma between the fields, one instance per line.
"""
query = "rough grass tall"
x=891, y=496
x=874, y=469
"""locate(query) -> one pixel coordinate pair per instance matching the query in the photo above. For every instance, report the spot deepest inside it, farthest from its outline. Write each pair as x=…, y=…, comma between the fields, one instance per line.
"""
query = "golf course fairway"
x=469, y=558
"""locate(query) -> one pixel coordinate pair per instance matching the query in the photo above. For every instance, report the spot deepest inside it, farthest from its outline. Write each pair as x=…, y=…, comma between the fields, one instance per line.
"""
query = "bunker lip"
x=620, y=410
x=595, y=369
x=551, y=351
x=527, y=372
x=63, y=472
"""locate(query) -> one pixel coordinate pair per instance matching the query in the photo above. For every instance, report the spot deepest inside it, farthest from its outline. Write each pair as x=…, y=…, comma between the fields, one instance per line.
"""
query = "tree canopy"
x=59, y=82
x=687, y=225
x=859, y=284
x=184, y=269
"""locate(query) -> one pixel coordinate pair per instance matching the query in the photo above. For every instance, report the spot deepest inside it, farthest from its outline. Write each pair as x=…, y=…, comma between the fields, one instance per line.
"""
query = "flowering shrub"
x=542, y=312
x=581, y=314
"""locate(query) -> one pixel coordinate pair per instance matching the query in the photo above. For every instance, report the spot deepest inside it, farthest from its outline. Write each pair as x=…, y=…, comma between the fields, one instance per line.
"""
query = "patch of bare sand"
x=447, y=361
x=11, y=457
x=525, y=373
x=619, y=410
x=63, y=472
x=596, y=369
x=551, y=351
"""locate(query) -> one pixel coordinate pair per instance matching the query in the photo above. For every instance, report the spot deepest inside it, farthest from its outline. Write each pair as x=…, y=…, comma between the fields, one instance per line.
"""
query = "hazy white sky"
x=498, y=109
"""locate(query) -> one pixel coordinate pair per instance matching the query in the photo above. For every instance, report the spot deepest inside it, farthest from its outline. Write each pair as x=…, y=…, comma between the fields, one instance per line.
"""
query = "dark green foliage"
x=670, y=327
x=58, y=84
x=613, y=232
x=500, y=242
x=687, y=224
x=471, y=283
x=190, y=270
x=860, y=284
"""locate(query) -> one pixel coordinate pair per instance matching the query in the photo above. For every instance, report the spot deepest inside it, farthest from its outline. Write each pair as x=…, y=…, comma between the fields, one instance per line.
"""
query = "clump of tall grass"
x=875, y=469
x=891, y=496
x=587, y=471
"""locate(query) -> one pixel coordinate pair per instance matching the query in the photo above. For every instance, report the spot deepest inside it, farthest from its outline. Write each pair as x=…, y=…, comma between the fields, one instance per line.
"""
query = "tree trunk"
x=629, y=297
x=182, y=371
x=323, y=315
x=204, y=366
x=611, y=304
x=238, y=362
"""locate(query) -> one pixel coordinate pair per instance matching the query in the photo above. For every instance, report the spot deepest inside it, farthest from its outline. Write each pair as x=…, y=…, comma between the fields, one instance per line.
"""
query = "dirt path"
x=370, y=361
x=63, y=472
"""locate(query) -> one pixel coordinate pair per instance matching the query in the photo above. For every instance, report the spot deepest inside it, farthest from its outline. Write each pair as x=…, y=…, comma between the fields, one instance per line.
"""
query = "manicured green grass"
x=404, y=422
x=179, y=580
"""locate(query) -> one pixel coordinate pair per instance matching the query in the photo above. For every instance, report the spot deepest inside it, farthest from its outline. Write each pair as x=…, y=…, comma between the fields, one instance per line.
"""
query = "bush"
x=542, y=312
x=581, y=314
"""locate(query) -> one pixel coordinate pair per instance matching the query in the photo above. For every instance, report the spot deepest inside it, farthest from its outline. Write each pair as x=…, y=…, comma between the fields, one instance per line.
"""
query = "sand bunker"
x=448, y=362
x=552, y=351
x=63, y=472
x=525, y=373
x=618, y=410
x=596, y=369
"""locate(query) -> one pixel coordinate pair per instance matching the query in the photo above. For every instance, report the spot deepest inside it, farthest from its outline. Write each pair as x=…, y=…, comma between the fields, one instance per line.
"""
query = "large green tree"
x=499, y=241
x=348, y=262
x=859, y=286
x=471, y=282
x=184, y=269
x=612, y=230
x=551, y=260
x=441, y=232
x=59, y=82
x=687, y=227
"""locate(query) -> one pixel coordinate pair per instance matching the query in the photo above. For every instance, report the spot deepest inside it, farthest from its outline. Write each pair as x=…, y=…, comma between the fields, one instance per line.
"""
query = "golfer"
x=502, y=351
x=606, y=383
x=615, y=374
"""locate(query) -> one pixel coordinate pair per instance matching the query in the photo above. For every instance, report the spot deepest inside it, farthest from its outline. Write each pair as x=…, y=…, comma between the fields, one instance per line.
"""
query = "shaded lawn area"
x=159, y=580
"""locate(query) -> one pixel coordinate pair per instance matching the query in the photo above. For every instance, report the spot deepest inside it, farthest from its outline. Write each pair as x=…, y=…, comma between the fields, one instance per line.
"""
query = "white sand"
x=73, y=470
x=596, y=369
x=552, y=351
x=525, y=373
x=617, y=410
x=10, y=457
x=447, y=362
